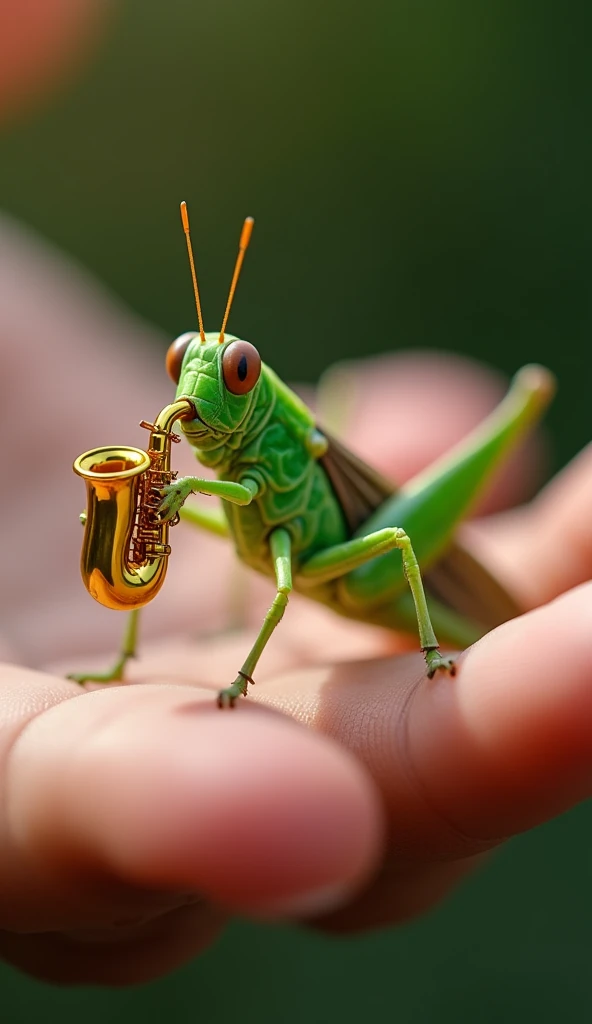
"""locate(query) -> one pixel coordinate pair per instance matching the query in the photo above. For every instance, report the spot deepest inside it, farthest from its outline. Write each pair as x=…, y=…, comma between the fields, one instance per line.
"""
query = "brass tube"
x=125, y=548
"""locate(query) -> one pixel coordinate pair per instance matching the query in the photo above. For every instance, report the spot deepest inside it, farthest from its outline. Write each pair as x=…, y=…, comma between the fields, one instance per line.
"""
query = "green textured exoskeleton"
x=305, y=511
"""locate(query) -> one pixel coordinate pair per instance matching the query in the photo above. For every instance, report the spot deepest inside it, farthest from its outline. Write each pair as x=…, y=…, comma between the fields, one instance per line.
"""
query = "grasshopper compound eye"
x=241, y=367
x=176, y=354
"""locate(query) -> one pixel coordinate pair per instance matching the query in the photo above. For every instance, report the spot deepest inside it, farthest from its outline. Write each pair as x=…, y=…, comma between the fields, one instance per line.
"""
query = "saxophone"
x=125, y=547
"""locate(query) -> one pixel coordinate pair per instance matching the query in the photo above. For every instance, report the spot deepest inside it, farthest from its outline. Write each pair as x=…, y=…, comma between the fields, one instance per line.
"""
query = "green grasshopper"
x=307, y=512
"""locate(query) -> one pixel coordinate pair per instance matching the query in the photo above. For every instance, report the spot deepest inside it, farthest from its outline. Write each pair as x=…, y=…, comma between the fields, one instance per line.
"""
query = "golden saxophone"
x=125, y=547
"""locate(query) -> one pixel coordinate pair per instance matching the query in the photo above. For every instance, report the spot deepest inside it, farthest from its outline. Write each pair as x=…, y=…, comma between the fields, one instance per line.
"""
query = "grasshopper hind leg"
x=128, y=650
x=343, y=561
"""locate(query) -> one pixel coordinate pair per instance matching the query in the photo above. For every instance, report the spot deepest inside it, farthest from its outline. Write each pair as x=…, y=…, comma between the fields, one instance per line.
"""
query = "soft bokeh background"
x=420, y=178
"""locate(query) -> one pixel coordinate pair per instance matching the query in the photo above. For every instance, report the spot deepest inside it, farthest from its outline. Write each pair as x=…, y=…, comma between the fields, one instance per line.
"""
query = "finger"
x=544, y=549
x=462, y=763
x=497, y=749
x=141, y=946
x=124, y=802
x=401, y=411
x=400, y=892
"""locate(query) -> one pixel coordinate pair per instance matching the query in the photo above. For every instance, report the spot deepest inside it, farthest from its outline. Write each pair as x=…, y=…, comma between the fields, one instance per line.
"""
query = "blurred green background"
x=420, y=177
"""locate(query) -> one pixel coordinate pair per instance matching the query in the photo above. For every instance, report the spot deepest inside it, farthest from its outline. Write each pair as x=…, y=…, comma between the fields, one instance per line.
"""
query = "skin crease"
x=134, y=819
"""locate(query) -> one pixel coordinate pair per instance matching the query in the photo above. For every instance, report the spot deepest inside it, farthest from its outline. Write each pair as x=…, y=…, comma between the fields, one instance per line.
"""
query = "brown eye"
x=176, y=354
x=241, y=366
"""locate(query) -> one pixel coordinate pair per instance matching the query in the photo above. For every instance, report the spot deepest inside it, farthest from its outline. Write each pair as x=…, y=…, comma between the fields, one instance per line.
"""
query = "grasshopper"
x=305, y=511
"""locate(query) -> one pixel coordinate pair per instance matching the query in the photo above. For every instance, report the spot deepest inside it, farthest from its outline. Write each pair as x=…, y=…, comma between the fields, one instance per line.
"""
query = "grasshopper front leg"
x=175, y=494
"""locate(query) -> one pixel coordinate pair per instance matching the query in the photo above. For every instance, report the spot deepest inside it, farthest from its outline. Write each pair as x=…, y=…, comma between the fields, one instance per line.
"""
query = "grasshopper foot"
x=112, y=675
x=173, y=497
x=435, y=661
x=227, y=697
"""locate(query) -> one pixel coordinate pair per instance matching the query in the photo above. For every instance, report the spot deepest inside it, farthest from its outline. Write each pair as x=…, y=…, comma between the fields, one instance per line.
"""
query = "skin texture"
x=403, y=783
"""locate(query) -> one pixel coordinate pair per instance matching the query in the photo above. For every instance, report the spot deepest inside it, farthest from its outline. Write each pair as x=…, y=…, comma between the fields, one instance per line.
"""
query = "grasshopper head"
x=221, y=380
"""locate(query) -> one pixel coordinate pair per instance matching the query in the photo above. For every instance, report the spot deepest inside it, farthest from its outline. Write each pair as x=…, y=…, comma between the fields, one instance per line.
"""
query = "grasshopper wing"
x=458, y=580
x=360, y=489
x=462, y=583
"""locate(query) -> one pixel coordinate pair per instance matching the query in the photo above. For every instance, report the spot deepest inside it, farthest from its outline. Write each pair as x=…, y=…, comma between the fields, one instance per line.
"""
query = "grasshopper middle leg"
x=129, y=645
x=280, y=545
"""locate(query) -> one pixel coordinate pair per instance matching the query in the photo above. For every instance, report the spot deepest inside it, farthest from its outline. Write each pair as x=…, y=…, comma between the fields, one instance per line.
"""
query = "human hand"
x=136, y=818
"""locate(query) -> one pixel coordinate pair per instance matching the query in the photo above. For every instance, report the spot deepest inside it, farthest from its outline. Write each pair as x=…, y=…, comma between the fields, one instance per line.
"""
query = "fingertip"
x=246, y=807
x=508, y=743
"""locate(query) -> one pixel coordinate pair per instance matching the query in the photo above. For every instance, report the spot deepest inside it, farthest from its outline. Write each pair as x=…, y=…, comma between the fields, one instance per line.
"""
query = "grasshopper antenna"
x=245, y=238
x=185, y=222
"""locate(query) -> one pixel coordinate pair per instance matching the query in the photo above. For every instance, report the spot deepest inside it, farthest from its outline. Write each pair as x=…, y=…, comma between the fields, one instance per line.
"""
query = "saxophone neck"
x=161, y=432
x=182, y=409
